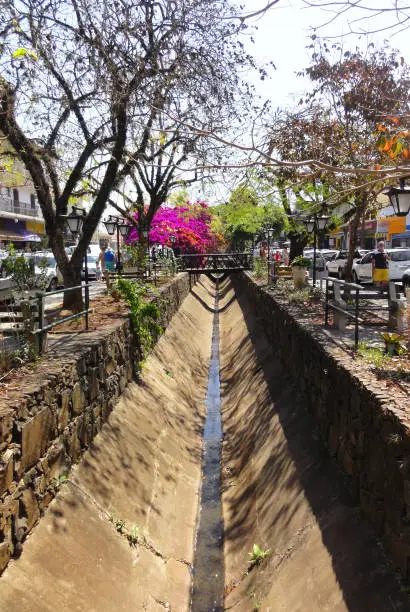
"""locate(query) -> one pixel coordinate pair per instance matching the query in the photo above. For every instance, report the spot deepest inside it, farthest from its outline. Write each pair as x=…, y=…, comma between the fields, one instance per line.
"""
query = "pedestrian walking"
x=107, y=260
x=380, y=261
x=285, y=256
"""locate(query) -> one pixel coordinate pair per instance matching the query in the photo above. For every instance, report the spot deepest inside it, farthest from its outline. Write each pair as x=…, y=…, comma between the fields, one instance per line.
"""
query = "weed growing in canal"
x=258, y=554
x=133, y=535
x=59, y=481
x=119, y=524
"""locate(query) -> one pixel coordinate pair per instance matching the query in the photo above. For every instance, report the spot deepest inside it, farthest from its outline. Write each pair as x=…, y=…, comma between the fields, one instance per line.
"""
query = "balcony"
x=7, y=204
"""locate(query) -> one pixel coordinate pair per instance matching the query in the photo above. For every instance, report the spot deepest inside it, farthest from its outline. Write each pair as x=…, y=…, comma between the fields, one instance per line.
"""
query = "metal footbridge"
x=215, y=263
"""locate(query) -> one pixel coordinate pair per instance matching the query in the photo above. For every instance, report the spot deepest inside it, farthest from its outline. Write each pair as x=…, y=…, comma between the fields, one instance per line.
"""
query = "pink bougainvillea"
x=191, y=226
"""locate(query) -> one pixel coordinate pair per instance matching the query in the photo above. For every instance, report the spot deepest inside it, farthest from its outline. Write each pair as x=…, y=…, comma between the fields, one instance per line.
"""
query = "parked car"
x=398, y=264
x=45, y=266
x=336, y=266
x=328, y=254
x=320, y=261
x=92, y=261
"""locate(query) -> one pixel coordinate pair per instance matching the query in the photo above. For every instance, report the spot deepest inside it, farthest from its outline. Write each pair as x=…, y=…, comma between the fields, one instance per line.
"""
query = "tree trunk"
x=73, y=300
x=297, y=244
x=71, y=273
x=353, y=234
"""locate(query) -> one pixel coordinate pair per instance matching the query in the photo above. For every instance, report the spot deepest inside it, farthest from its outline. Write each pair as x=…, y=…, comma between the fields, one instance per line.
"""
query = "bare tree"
x=83, y=82
x=365, y=16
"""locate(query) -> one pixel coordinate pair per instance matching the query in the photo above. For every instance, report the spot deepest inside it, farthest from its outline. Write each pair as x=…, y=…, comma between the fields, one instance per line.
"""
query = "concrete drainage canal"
x=162, y=514
x=208, y=574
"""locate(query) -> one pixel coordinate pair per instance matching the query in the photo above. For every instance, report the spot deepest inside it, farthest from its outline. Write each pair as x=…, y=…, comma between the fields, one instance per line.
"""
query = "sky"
x=283, y=34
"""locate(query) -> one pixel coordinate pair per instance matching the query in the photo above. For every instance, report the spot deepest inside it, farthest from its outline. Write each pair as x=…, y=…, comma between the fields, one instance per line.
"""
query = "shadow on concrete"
x=294, y=468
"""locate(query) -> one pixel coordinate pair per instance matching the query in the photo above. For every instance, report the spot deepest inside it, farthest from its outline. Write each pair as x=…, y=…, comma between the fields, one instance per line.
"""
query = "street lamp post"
x=74, y=222
x=120, y=225
x=173, y=240
x=316, y=225
x=269, y=234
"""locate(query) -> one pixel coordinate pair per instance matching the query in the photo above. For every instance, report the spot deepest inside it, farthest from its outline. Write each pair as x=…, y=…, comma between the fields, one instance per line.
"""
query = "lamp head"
x=310, y=226
x=400, y=200
x=124, y=229
x=110, y=226
x=322, y=222
x=75, y=220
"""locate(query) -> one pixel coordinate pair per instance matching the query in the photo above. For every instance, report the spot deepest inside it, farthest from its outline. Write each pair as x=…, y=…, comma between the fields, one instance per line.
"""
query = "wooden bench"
x=279, y=271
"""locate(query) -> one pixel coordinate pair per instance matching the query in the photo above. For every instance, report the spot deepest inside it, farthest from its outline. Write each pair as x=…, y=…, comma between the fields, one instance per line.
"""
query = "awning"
x=403, y=235
x=14, y=237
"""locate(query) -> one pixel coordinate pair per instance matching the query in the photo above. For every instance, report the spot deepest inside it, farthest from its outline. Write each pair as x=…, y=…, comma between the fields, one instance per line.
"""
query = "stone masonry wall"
x=364, y=427
x=55, y=412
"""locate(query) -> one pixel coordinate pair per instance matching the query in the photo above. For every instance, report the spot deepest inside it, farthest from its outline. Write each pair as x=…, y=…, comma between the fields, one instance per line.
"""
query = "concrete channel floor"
x=279, y=491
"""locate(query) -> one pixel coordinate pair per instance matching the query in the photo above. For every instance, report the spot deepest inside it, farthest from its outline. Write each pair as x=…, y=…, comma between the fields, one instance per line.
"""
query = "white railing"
x=23, y=208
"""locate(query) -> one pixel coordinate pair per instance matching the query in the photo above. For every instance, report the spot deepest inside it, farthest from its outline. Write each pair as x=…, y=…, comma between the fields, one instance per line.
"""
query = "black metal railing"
x=39, y=298
x=358, y=300
x=213, y=262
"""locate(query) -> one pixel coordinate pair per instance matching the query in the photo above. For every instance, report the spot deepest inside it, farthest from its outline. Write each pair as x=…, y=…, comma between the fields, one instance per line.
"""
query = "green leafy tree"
x=246, y=214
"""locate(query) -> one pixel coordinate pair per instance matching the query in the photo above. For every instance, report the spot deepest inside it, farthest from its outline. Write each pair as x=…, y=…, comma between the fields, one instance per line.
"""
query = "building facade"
x=21, y=221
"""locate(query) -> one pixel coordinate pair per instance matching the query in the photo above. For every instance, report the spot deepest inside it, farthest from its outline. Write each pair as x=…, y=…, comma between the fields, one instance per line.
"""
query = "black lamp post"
x=269, y=234
x=145, y=236
x=399, y=199
x=315, y=225
x=120, y=225
x=74, y=222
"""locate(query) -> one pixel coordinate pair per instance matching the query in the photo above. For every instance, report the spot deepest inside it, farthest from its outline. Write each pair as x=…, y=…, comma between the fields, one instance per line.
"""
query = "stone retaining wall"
x=365, y=427
x=55, y=412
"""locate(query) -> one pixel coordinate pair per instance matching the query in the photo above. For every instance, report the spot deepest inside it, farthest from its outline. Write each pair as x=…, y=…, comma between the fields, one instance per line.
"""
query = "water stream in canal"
x=208, y=576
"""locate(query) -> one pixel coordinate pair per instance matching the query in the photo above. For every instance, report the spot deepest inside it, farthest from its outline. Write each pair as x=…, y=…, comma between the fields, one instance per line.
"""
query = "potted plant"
x=393, y=345
x=299, y=268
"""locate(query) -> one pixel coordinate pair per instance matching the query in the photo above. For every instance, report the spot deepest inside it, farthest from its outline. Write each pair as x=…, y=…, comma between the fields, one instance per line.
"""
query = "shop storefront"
x=393, y=231
x=20, y=232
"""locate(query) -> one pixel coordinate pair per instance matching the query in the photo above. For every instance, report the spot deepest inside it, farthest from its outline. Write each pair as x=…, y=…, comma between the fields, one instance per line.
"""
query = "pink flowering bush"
x=191, y=226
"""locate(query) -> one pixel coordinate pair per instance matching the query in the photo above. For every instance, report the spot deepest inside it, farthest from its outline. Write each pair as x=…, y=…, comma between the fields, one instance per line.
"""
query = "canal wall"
x=56, y=410
x=365, y=428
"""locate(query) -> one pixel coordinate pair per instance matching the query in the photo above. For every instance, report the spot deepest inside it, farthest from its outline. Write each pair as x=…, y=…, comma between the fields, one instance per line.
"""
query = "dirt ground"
x=105, y=310
x=143, y=469
x=282, y=493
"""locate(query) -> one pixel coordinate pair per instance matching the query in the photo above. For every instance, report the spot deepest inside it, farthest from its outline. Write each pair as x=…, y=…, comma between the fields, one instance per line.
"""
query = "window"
x=33, y=200
x=16, y=195
x=367, y=258
x=400, y=255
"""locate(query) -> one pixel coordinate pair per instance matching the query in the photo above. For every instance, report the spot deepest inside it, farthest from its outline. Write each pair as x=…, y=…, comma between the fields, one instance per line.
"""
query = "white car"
x=336, y=266
x=45, y=266
x=398, y=264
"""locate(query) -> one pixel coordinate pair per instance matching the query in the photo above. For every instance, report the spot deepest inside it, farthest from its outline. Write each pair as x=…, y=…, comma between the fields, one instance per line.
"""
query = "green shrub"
x=144, y=315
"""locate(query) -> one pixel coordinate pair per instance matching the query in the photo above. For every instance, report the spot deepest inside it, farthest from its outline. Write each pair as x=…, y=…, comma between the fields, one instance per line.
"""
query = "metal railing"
x=7, y=204
x=334, y=304
x=42, y=329
x=336, y=300
x=215, y=261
